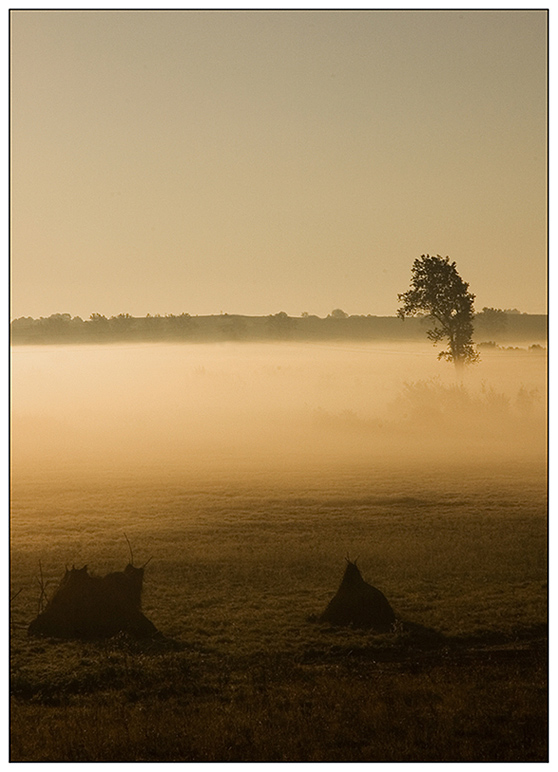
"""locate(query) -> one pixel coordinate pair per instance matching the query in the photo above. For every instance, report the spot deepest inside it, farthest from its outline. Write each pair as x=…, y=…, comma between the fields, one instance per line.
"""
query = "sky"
x=251, y=162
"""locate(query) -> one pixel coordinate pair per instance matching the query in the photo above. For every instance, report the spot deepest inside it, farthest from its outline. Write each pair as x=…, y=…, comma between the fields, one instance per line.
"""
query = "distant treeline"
x=491, y=324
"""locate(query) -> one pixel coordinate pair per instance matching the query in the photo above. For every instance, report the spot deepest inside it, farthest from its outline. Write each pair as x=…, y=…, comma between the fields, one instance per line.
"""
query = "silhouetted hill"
x=490, y=326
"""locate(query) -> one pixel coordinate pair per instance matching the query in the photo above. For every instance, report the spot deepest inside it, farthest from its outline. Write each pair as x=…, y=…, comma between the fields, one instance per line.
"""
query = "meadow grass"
x=280, y=709
x=241, y=568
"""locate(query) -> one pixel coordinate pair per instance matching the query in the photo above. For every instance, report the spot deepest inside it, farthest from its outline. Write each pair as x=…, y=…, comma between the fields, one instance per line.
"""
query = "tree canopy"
x=438, y=292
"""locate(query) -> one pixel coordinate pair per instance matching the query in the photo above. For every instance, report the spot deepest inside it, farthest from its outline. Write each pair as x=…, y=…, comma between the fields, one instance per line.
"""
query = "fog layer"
x=211, y=407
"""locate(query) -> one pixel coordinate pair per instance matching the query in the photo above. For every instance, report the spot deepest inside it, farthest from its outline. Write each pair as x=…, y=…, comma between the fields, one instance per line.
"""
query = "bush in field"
x=429, y=402
x=359, y=604
x=86, y=606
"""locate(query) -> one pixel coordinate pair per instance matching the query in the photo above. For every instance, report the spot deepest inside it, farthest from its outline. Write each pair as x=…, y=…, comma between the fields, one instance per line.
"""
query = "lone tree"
x=439, y=292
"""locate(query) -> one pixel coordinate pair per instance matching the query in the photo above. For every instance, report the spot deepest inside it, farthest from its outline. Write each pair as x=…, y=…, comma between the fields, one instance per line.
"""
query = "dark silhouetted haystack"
x=359, y=604
x=86, y=606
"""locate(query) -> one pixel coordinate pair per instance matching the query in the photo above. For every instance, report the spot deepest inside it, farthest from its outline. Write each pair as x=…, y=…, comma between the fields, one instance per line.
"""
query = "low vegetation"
x=343, y=702
x=242, y=569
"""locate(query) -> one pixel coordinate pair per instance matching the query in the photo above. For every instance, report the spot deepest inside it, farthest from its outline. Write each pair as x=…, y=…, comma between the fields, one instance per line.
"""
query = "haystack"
x=86, y=606
x=359, y=604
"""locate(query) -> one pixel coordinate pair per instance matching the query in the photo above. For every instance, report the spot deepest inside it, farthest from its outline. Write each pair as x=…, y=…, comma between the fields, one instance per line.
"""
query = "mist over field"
x=203, y=408
x=247, y=472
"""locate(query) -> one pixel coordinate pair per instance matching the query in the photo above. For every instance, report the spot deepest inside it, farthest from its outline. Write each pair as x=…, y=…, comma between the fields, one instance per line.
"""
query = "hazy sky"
x=255, y=162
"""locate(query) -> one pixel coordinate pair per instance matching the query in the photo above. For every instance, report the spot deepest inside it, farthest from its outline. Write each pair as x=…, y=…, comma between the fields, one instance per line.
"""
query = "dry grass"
x=240, y=565
x=342, y=707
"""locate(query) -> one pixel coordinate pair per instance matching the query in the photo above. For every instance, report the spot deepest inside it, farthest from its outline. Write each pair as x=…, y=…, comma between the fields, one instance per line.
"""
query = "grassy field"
x=242, y=564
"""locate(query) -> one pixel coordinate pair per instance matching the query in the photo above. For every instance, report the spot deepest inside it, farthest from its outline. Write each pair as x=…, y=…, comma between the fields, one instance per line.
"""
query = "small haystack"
x=86, y=606
x=359, y=604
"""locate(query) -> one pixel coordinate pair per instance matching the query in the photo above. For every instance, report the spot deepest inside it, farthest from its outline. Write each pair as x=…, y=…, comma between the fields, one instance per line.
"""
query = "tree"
x=438, y=292
x=280, y=325
x=492, y=319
